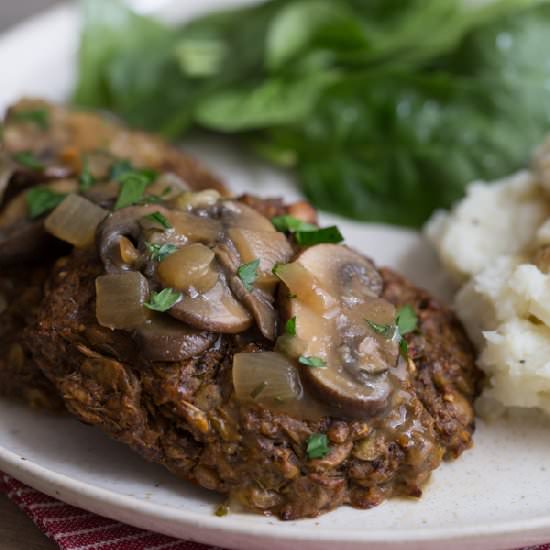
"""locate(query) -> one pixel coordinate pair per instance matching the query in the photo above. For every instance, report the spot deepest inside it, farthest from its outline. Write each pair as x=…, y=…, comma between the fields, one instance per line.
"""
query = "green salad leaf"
x=384, y=109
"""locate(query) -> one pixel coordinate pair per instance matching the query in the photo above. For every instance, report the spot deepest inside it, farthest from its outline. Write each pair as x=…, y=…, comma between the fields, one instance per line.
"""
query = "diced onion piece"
x=188, y=267
x=189, y=199
x=120, y=299
x=75, y=221
x=265, y=377
x=269, y=247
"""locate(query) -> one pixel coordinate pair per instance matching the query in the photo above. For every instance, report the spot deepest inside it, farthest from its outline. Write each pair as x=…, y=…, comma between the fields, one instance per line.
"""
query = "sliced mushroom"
x=339, y=318
x=236, y=214
x=260, y=304
x=165, y=339
x=215, y=310
x=243, y=246
x=122, y=223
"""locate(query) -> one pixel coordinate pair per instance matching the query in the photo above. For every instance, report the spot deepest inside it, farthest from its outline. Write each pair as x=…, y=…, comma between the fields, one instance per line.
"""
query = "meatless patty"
x=62, y=143
x=21, y=291
x=184, y=414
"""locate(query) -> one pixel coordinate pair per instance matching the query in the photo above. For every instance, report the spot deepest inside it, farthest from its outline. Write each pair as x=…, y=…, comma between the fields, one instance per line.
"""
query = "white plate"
x=495, y=496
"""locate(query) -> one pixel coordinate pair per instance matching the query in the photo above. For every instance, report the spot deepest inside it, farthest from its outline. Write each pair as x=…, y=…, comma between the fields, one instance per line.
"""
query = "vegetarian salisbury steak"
x=345, y=410
x=231, y=340
x=47, y=151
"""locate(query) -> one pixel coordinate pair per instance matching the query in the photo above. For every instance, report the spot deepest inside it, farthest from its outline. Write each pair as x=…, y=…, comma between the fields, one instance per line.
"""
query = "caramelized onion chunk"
x=265, y=377
x=75, y=221
x=120, y=299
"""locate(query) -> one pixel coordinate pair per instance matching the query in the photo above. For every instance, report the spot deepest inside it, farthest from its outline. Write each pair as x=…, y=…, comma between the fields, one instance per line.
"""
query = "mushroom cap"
x=216, y=310
x=337, y=292
x=165, y=339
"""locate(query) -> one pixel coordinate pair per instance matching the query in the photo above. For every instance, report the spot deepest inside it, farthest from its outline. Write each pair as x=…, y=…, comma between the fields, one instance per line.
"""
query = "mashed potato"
x=493, y=242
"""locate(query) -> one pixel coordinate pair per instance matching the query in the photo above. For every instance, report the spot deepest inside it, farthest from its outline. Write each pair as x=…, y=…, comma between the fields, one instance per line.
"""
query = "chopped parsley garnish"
x=313, y=362
x=222, y=510
x=406, y=320
x=163, y=300
x=86, y=179
x=160, y=219
x=326, y=235
x=307, y=234
x=132, y=188
x=292, y=224
x=276, y=269
x=248, y=273
x=387, y=331
x=258, y=389
x=40, y=117
x=160, y=251
x=28, y=159
x=41, y=200
x=290, y=326
x=317, y=446
x=120, y=169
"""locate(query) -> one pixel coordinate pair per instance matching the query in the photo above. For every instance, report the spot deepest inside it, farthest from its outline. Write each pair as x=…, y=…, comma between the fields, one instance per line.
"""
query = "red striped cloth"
x=75, y=529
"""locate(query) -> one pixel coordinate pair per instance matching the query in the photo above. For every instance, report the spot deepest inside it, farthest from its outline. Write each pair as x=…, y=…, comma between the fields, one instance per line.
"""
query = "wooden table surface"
x=17, y=531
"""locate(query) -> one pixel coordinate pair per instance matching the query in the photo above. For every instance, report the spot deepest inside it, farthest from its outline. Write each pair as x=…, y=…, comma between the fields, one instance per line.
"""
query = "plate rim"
x=44, y=479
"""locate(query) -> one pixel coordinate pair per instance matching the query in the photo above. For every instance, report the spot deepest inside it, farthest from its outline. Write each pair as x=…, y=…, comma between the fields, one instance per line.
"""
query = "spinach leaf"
x=385, y=109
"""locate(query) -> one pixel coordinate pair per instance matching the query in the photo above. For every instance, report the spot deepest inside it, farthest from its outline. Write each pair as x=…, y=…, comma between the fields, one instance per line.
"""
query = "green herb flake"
x=41, y=200
x=159, y=218
x=387, y=331
x=258, y=389
x=406, y=320
x=132, y=188
x=326, y=235
x=39, y=117
x=276, y=268
x=248, y=273
x=317, y=446
x=290, y=326
x=222, y=510
x=28, y=160
x=403, y=347
x=163, y=300
x=160, y=251
x=313, y=362
x=292, y=224
x=86, y=179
